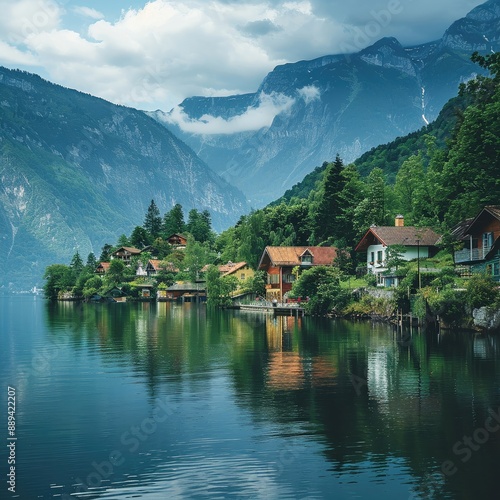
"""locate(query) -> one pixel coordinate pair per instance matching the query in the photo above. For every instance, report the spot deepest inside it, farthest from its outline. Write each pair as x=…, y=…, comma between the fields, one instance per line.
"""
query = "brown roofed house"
x=278, y=262
x=125, y=253
x=481, y=242
x=419, y=242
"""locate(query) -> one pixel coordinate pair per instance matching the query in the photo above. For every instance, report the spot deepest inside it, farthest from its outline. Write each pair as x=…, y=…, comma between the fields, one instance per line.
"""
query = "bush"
x=481, y=291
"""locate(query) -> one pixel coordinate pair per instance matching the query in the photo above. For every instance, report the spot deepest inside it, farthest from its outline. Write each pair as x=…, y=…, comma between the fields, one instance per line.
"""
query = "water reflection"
x=292, y=407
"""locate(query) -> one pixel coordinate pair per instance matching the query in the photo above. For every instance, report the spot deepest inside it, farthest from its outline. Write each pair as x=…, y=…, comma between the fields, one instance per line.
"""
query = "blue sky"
x=151, y=55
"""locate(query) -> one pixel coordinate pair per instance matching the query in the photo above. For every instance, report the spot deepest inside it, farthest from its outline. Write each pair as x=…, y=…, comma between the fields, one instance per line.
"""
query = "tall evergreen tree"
x=173, y=221
x=152, y=221
x=329, y=210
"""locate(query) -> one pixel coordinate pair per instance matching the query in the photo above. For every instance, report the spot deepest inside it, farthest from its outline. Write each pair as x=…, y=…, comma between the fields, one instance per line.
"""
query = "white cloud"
x=254, y=118
x=158, y=54
x=24, y=18
x=88, y=12
x=309, y=93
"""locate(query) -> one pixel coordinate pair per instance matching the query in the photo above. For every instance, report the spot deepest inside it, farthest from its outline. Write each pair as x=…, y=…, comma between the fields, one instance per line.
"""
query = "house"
x=155, y=265
x=125, y=254
x=186, y=292
x=241, y=270
x=177, y=241
x=279, y=262
x=481, y=242
x=102, y=268
x=418, y=242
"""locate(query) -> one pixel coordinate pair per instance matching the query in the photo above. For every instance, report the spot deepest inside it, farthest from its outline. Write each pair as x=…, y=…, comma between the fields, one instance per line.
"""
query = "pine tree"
x=326, y=221
x=152, y=221
x=173, y=221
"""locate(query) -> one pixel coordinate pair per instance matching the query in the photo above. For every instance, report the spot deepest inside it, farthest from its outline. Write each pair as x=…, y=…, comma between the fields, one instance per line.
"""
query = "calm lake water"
x=167, y=401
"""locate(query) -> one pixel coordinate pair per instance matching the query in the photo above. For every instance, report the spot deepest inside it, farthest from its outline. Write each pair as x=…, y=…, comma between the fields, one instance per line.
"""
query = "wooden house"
x=279, y=262
x=417, y=242
x=481, y=242
x=102, y=268
x=178, y=241
x=155, y=265
x=125, y=254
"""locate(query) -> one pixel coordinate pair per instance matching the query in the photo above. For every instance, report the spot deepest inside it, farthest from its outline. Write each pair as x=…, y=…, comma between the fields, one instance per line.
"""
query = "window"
x=496, y=268
x=379, y=256
x=242, y=276
x=306, y=259
x=372, y=258
x=273, y=279
x=288, y=278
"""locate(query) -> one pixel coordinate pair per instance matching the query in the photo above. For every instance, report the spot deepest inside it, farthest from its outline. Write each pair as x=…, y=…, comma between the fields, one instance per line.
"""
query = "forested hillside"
x=438, y=176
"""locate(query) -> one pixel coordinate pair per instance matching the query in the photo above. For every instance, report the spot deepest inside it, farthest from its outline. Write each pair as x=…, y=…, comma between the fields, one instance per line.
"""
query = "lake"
x=157, y=401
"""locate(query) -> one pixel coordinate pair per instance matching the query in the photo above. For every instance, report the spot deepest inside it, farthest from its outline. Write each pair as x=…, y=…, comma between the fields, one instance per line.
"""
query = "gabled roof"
x=131, y=250
x=104, y=266
x=231, y=267
x=290, y=256
x=408, y=236
x=158, y=265
x=488, y=210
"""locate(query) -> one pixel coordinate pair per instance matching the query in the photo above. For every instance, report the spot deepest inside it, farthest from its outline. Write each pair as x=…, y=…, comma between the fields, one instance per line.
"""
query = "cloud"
x=254, y=118
x=309, y=93
x=158, y=54
x=24, y=18
x=260, y=28
x=88, y=12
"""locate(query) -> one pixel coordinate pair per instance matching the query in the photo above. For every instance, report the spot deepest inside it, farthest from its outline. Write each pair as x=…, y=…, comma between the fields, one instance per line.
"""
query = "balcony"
x=471, y=255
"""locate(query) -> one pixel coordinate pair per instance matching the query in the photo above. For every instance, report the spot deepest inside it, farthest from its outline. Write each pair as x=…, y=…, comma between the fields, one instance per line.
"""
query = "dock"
x=279, y=310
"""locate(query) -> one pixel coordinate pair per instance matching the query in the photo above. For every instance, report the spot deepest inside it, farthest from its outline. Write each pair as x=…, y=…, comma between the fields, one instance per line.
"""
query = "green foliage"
x=200, y=225
x=58, y=278
x=256, y=284
x=153, y=221
x=219, y=288
x=140, y=238
x=322, y=285
x=116, y=273
x=481, y=291
x=173, y=221
x=92, y=286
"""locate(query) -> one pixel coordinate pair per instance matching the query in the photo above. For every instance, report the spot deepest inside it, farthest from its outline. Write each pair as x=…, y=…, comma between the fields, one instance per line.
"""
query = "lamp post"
x=418, y=263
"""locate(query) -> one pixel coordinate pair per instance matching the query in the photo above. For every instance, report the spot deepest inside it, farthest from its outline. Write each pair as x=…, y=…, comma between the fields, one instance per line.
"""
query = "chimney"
x=400, y=221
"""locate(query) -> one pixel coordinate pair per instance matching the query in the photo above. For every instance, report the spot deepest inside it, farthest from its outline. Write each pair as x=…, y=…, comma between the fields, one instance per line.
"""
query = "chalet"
x=155, y=265
x=279, y=262
x=125, y=254
x=178, y=241
x=418, y=243
x=481, y=242
x=102, y=268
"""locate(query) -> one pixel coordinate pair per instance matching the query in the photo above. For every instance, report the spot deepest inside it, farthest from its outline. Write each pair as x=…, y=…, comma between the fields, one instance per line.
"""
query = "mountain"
x=77, y=171
x=343, y=104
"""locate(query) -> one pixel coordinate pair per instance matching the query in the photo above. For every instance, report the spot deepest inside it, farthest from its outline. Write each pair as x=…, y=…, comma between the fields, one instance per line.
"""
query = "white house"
x=419, y=242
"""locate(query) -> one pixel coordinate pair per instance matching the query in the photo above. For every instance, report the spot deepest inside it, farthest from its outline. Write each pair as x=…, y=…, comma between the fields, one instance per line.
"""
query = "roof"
x=409, y=236
x=104, y=265
x=231, y=267
x=187, y=287
x=290, y=256
x=132, y=250
x=492, y=210
x=158, y=265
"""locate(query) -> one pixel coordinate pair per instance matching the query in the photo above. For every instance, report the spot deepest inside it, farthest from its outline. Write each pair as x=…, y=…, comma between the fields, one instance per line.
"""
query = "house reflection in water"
x=289, y=368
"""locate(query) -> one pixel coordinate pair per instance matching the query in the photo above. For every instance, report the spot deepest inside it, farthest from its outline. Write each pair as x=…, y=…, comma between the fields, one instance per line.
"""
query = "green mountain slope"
x=77, y=171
